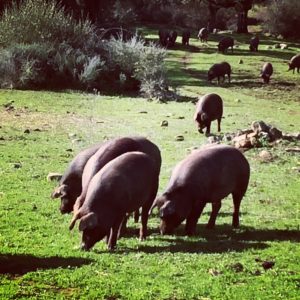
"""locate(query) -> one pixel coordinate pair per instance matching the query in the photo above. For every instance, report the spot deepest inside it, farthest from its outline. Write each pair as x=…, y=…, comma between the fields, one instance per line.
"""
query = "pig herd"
x=167, y=39
x=107, y=182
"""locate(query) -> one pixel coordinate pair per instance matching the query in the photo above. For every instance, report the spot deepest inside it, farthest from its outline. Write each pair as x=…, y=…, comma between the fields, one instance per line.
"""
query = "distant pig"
x=122, y=186
x=111, y=150
x=208, y=108
x=294, y=63
x=203, y=35
x=266, y=72
x=205, y=176
x=225, y=43
x=219, y=70
x=186, y=34
x=254, y=42
x=70, y=184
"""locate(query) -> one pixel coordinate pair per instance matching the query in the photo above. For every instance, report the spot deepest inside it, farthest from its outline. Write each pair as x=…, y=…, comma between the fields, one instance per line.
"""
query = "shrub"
x=39, y=21
x=283, y=17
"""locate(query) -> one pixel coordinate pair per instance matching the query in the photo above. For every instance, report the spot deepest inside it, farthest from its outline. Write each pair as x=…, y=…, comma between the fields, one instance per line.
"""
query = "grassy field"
x=41, y=133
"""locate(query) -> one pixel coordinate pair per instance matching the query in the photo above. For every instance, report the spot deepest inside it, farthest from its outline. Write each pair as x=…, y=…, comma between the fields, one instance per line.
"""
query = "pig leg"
x=208, y=129
x=215, y=210
x=236, y=203
x=136, y=216
x=219, y=124
x=114, y=233
x=145, y=215
x=229, y=78
x=122, y=229
x=192, y=219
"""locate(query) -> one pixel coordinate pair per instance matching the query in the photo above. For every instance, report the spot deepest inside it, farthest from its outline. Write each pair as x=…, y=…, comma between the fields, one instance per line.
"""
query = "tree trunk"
x=212, y=17
x=242, y=22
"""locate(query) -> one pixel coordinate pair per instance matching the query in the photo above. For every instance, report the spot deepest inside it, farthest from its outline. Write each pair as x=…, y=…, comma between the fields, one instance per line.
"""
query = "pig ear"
x=60, y=191
x=88, y=221
x=74, y=219
x=204, y=117
x=167, y=209
x=159, y=202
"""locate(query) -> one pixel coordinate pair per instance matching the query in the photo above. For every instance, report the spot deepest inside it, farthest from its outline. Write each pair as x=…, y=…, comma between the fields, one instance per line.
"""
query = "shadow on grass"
x=20, y=264
x=222, y=239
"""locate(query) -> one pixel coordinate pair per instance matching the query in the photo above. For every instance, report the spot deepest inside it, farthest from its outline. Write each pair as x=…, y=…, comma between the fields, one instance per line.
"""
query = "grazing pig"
x=294, y=63
x=70, y=184
x=186, y=34
x=203, y=35
x=172, y=38
x=219, y=70
x=208, y=108
x=164, y=36
x=111, y=150
x=205, y=176
x=254, y=43
x=225, y=43
x=266, y=72
x=122, y=186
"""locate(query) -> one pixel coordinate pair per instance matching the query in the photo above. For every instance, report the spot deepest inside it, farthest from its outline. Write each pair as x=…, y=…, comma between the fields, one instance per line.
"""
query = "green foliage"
x=283, y=17
x=39, y=21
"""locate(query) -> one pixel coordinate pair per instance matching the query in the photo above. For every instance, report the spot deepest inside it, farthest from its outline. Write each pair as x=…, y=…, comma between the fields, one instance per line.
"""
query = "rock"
x=143, y=112
x=181, y=117
x=238, y=100
x=74, y=141
x=268, y=264
x=27, y=131
x=295, y=149
x=254, y=142
x=259, y=126
x=164, y=123
x=275, y=134
x=265, y=156
x=17, y=165
x=179, y=138
x=227, y=137
x=283, y=46
x=244, y=144
x=238, y=267
x=276, y=46
x=37, y=129
x=241, y=62
x=72, y=135
x=69, y=150
x=52, y=176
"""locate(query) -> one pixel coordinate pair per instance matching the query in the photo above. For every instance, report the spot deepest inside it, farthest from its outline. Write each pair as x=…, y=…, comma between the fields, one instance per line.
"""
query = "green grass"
x=39, y=257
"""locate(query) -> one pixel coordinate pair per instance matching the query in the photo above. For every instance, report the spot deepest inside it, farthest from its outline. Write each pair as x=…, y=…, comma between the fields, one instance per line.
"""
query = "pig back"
x=212, y=105
x=124, y=184
x=211, y=173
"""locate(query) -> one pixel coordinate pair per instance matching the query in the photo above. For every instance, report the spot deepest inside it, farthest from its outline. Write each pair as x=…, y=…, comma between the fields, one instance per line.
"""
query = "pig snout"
x=65, y=206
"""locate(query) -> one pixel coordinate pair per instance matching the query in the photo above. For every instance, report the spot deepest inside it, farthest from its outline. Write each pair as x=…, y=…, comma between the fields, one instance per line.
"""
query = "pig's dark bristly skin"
x=294, y=63
x=207, y=175
x=203, y=35
x=208, y=108
x=70, y=184
x=254, y=42
x=122, y=186
x=219, y=70
x=266, y=72
x=111, y=150
x=225, y=43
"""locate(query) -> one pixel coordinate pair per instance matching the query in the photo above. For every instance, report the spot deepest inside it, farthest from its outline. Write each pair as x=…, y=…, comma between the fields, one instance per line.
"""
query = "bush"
x=39, y=21
x=283, y=17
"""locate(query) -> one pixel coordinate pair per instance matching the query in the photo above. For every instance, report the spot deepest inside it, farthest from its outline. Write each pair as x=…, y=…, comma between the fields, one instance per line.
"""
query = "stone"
x=27, y=131
x=254, y=142
x=259, y=126
x=52, y=176
x=283, y=46
x=275, y=134
x=164, y=123
x=265, y=155
x=241, y=62
x=179, y=138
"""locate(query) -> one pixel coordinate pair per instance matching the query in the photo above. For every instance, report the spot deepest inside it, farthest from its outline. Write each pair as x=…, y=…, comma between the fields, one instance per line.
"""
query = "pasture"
x=40, y=132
